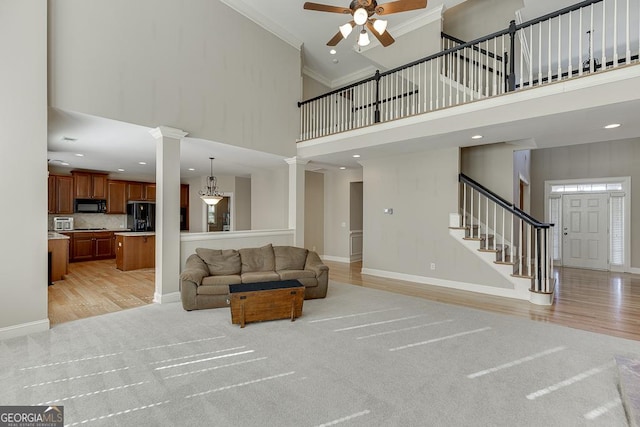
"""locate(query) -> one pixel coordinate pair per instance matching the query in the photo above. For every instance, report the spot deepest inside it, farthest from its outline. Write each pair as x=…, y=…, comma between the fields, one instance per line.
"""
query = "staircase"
x=509, y=240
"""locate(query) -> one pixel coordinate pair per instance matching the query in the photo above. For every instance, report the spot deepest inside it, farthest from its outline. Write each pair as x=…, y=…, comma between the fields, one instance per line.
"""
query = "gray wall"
x=196, y=65
x=314, y=211
x=492, y=166
x=355, y=210
x=312, y=88
x=243, y=203
x=23, y=176
x=602, y=159
x=337, y=184
x=270, y=199
x=476, y=18
x=422, y=189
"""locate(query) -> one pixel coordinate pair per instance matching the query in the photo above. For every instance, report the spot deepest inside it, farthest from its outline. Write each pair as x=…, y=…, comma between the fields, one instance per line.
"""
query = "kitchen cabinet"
x=116, y=197
x=89, y=185
x=59, y=248
x=135, y=251
x=88, y=246
x=184, y=195
x=60, y=194
x=141, y=191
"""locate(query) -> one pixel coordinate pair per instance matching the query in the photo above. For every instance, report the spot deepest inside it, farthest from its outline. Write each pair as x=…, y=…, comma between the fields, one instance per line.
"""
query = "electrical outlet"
x=433, y=265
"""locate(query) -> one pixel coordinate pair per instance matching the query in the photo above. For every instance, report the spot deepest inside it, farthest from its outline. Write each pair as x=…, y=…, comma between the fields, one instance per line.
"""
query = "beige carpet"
x=360, y=357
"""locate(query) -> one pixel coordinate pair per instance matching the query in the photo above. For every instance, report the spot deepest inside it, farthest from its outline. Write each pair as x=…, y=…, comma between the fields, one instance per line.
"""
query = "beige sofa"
x=204, y=283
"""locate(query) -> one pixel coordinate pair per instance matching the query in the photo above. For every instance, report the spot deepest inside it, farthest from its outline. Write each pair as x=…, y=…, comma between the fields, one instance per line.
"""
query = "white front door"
x=584, y=231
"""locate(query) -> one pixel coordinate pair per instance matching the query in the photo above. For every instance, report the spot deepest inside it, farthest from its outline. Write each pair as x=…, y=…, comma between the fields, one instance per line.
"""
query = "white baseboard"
x=166, y=298
x=24, y=329
x=471, y=287
x=634, y=270
x=336, y=259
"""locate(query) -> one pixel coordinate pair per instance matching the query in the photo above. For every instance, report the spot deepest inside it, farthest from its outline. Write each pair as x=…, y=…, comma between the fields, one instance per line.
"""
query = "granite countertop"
x=92, y=230
x=136, y=233
x=52, y=235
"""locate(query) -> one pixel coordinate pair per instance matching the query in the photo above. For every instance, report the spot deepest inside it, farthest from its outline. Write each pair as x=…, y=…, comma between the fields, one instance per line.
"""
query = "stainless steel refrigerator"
x=141, y=216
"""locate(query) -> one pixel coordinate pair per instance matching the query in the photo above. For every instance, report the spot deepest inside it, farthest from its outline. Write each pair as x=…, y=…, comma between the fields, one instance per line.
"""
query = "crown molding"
x=316, y=76
x=353, y=77
x=169, y=132
x=277, y=30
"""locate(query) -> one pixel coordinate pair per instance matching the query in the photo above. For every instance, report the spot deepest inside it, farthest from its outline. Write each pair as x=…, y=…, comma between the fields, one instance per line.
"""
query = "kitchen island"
x=135, y=250
x=59, y=248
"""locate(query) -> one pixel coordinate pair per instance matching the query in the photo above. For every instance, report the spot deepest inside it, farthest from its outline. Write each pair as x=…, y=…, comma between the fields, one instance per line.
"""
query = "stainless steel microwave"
x=90, y=206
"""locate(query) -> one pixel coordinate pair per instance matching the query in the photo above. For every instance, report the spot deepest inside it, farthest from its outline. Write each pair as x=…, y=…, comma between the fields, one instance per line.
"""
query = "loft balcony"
x=588, y=39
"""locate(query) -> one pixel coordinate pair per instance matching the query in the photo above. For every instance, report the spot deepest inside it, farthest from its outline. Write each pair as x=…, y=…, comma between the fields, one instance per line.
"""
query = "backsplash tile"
x=110, y=222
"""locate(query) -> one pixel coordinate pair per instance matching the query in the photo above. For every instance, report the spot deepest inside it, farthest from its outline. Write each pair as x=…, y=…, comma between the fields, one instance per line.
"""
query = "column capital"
x=162, y=131
x=296, y=161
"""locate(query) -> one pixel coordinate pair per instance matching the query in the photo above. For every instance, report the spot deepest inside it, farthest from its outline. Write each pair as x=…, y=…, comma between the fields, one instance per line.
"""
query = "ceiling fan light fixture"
x=346, y=29
x=360, y=16
x=363, y=38
x=380, y=25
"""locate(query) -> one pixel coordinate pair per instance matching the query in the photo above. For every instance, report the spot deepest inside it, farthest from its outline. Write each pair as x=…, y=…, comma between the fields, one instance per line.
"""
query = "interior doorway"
x=219, y=215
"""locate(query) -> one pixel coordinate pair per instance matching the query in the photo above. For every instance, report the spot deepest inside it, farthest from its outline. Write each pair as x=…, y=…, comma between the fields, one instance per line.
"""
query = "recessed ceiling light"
x=120, y=170
x=142, y=163
x=356, y=156
x=332, y=51
x=342, y=168
x=476, y=137
x=64, y=163
x=191, y=169
x=612, y=126
x=79, y=155
x=335, y=60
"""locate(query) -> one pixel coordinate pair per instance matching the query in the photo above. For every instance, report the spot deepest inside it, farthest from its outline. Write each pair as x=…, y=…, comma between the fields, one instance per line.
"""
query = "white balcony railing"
x=589, y=37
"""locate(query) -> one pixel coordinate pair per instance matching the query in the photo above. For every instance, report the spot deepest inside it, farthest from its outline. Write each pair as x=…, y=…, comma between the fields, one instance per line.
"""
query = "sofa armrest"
x=195, y=270
x=314, y=263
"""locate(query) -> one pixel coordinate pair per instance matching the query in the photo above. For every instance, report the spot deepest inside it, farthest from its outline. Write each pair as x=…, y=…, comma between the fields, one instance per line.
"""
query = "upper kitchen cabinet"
x=89, y=185
x=116, y=197
x=60, y=194
x=145, y=191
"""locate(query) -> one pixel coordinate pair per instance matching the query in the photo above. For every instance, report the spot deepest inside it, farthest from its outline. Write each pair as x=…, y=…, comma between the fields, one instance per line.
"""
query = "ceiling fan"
x=362, y=12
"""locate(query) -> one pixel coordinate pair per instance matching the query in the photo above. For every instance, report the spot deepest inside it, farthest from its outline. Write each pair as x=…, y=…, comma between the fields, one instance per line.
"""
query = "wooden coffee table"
x=255, y=302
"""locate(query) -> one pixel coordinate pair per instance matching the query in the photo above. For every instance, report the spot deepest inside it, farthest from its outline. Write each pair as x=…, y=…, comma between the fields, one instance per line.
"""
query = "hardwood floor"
x=96, y=287
x=597, y=301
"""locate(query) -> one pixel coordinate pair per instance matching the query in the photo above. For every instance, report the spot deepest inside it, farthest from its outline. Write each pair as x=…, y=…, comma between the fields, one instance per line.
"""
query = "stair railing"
x=588, y=37
x=501, y=226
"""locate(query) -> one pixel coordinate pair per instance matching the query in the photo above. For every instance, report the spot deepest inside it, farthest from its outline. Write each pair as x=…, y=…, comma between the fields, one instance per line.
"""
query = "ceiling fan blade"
x=326, y=8
x=400, y=6
x=385, y=39
x=335, y=39
x=339, y=36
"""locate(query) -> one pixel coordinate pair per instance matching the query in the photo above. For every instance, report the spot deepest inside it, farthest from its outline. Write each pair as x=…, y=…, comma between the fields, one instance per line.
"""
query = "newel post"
x=376, y=117
x=511, y=83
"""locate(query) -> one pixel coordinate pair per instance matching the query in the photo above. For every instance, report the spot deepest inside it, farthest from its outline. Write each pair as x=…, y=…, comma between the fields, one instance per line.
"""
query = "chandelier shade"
x=210, y=194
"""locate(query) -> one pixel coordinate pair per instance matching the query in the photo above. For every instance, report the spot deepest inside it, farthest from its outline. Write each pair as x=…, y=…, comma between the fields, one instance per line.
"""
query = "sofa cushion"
x=220, y=262
x=257, y=259
x=260, y=276
x=217, y=285
x=290, y=257
x=295, y=274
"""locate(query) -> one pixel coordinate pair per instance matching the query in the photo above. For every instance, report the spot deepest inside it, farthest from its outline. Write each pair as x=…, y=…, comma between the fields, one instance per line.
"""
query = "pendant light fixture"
x=210, y=195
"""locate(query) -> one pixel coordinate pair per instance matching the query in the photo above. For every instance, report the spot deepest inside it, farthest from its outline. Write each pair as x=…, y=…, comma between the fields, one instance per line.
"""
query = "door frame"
x=626, y=189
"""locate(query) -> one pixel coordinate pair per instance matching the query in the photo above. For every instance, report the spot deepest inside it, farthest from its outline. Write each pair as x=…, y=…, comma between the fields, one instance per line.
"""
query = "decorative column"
x=167, y=213
x=296, y=198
